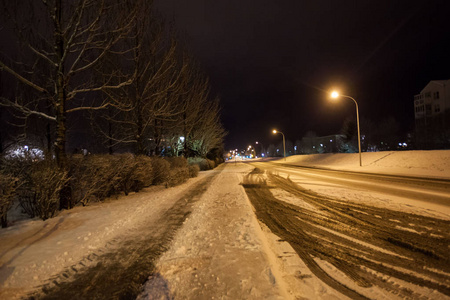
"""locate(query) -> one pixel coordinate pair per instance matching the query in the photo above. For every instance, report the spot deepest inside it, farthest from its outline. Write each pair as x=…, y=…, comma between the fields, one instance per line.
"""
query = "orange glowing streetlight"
x=336, y=95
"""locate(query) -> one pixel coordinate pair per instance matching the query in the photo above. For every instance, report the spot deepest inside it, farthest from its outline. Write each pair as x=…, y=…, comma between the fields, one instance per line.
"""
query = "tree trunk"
x=1, y=143
x=139, y=129
x=48, y=136
x=185, y=136
x=157, y=139
x=110, y=144
x=61, y=96
x=65, y=201
x=4, y=220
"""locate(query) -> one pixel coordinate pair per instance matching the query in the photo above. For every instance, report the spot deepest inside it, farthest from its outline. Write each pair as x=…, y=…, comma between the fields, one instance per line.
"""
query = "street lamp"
x=335, y=95
x=284, y=143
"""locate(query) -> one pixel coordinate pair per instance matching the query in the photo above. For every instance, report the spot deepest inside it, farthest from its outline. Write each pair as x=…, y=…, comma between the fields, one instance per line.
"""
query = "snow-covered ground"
x=434, y=163
x=221, y=251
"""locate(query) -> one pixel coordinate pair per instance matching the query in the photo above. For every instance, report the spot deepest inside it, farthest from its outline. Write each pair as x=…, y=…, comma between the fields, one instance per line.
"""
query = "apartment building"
x=432, y=115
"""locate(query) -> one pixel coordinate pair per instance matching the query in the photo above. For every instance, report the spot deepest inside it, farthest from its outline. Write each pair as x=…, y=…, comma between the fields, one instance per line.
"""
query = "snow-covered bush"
x=125, y=166
x=143, y=175
x=177, y=162
x=25, y=152
x=161, y=168
x=193, y=171
x=134, y=172
x=203, y=163
x=178, y=176
x=39, y=183
x=94, y=177
x=47, y=182
x=211, y=164
x=180, y=171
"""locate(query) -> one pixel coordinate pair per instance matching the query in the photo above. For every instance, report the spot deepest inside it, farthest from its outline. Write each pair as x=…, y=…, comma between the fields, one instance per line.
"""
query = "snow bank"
x=433, y=163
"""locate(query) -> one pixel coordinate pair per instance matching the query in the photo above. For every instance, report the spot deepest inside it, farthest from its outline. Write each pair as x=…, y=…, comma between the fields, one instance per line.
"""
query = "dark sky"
x=272, y=62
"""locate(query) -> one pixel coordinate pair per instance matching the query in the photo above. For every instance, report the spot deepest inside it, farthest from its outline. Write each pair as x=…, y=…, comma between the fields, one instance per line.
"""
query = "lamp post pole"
x=284, y=143
x=336, y=95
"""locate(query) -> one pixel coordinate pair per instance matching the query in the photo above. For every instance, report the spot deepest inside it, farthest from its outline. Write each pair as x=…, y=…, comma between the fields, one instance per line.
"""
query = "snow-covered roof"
x=434, y=82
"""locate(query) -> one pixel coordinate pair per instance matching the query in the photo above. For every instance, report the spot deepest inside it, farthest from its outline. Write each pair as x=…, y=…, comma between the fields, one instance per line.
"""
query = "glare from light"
x=274, y=131
x=334, y=94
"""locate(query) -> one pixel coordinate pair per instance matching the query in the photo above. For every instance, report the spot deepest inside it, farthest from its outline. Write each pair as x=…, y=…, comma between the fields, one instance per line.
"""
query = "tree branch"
x=19, y=77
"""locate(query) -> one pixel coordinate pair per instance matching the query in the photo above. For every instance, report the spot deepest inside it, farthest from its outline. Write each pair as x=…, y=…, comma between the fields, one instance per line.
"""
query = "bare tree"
x=62, y=42
x=208, y=133
x=152, y=99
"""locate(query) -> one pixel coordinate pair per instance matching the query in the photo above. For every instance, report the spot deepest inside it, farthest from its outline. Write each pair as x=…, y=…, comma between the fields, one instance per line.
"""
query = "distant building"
x=432, y=115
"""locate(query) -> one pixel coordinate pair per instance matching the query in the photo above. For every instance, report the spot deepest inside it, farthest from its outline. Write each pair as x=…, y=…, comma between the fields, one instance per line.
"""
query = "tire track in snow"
x=330, y=232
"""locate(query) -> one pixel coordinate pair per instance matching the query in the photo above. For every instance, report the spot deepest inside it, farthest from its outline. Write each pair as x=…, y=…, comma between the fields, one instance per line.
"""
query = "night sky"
x=272, y=62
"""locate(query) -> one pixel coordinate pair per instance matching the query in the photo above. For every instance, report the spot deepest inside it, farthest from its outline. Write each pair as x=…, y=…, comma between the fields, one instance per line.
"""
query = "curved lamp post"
x=336, y=95
x=284, y=143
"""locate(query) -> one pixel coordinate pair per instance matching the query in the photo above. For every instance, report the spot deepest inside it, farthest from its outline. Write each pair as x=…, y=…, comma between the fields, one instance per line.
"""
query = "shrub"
x=177, y=176
x=47, y=182
x=39, y=184
x=193, y=171
x=95, y=177
x=177, y=162
x=21, y=168
x=143, y=173
x=161, y=169
x=125, y=166
x=211, y=164
x=203, y=163
x=8, y=185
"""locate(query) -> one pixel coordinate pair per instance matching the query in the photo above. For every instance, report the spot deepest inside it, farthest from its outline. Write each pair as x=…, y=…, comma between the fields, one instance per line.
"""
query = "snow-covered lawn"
x=433, y=163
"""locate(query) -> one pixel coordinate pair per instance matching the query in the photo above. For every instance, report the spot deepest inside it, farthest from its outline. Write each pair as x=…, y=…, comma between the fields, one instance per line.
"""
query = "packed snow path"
x=103, y=251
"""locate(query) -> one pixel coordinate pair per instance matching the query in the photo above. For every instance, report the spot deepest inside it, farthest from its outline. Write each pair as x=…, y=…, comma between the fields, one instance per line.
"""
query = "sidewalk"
x=220, y=252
